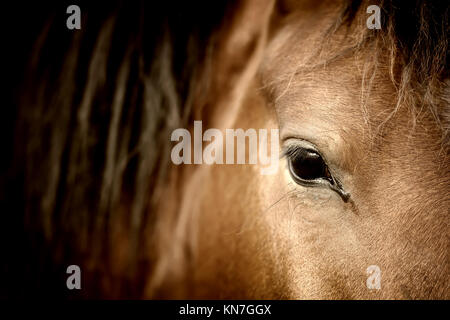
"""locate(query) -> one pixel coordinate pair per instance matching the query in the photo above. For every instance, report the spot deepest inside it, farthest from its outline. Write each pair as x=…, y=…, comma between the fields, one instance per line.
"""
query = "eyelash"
x=292, y=152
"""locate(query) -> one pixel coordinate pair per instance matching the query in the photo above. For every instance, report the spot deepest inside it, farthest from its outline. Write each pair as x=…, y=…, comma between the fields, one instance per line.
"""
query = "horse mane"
x=91, y=131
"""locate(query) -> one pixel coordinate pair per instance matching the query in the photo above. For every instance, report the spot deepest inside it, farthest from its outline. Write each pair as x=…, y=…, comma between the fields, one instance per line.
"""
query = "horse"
x=361, y=190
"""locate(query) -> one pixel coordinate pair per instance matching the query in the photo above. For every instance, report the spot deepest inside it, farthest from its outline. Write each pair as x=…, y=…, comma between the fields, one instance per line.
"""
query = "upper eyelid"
x=333, y=151
x=292, y=148
x=299, y=142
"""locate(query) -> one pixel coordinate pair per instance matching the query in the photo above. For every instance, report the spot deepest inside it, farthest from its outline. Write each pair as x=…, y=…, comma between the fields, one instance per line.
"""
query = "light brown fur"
x=266, y=237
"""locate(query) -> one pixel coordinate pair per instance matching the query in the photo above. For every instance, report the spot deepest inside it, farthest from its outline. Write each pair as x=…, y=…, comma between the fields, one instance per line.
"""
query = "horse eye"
x=307, y=166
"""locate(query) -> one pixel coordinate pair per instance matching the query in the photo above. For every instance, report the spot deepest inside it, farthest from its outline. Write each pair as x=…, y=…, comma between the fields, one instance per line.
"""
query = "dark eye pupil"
x=309, y=165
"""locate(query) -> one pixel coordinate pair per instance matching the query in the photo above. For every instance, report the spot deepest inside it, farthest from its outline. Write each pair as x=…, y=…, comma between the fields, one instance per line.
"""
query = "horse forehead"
x=325, y=101
x=330, y=96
